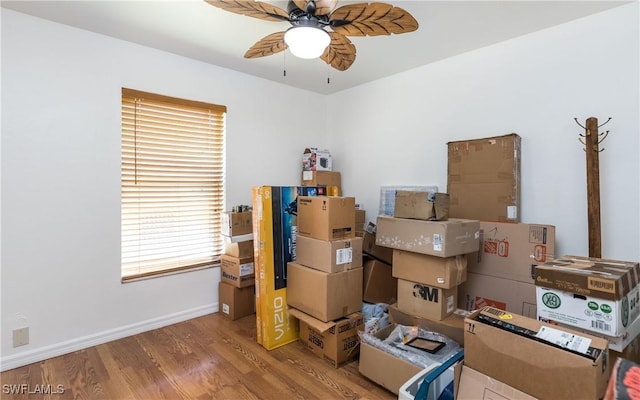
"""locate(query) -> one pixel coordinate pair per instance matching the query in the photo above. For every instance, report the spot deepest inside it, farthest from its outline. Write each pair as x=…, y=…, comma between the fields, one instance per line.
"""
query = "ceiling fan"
x=308, y=38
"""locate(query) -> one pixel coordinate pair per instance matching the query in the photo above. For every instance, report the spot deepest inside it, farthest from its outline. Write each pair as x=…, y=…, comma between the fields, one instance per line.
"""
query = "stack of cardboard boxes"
x=237, y=282
x=324, y=286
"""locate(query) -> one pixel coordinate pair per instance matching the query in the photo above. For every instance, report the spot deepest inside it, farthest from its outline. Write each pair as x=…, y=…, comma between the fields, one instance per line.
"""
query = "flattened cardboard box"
x=378, y=284
x=443, y=272
x=236, y=302
x=384, y=368
x=608, y=295
x=483, y=178
x=525, y=354
x=336, y=342
x=436, y=238
x=327, y=217
x=421, y=205
x=512, y=250
x=236, y=271
x=322, y=295
x=329, y=255
x=427, y=301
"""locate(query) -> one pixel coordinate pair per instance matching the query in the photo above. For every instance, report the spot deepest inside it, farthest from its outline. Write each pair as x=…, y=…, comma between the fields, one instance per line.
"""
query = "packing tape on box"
x=461, y=263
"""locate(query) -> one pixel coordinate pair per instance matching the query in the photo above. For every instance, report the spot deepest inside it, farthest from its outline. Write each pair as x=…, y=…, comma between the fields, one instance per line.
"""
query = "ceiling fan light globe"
x=306, y=41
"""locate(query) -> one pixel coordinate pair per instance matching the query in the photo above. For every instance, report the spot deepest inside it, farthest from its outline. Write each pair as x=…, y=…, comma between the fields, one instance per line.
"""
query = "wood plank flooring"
x=210, y=357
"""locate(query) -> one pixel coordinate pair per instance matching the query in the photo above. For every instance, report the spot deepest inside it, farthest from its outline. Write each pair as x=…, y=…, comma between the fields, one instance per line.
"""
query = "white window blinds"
x=172, y=183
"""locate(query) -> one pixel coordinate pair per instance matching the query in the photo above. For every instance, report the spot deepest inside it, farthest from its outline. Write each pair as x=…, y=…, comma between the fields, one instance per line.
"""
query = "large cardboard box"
x=325, y=296
x=237, y=223
x=236, y=271
x=512, y=250
x=378, y=284
x=274, y=246
x=384, y=368
x=443, y=272
x=327, y=217
x=542, y=360
x=329, y=255
x=474, y=385
x=483, y=178
x=451, y=326
x=428, y=206
x=591, y=293
x=426, y=301
x=485, y=290
x=322, y=178
x=437, y=238
x=370, y=248
x=241, y=249
x=336, y=341
x=236, y=302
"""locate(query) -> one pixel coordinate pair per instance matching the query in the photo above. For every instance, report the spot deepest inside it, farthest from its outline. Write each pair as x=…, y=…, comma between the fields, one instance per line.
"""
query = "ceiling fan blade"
x=268, y=45
x=323, y=7
x=341, y=53
x=251, y=8
x=371, y=19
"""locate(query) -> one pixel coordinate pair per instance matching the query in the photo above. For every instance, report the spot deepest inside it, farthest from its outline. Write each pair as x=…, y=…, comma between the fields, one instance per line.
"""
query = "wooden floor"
x=209, y=357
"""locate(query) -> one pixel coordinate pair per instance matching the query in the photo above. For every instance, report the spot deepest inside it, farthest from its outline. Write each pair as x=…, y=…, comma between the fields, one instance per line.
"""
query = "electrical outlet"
x=20, y=337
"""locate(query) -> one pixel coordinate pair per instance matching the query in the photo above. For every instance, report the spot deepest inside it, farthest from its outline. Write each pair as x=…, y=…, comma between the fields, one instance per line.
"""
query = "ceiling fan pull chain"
x=284, y=63
x=328, y=75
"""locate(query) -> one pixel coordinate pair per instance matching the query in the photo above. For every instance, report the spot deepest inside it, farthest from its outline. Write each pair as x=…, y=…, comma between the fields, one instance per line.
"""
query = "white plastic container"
x=436, y=377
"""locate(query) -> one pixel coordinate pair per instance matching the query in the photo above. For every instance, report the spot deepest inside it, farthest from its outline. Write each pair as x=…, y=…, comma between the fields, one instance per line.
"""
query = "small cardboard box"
x=483, y=178
x=426, y=301
x=322, y=295
x=486, y=290
x=436, y=238
x=236, y=271
x=451, y=326
x=428, y=206
x=236, y=302
x=474, y=385
x=237, y=223
x=336, y=342
x=314, y=159
x=443, y=272
x=329, y=255
x=512, y=250
x=378, y=285
x=590, y=293
x=542, y=360
x=384, y=368
x=322, y=178
x=327, y=217
x=242, y=249
x=370, y=248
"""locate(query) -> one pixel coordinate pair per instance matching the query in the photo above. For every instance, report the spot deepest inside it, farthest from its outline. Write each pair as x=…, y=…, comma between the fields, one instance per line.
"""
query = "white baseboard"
x=58, y=349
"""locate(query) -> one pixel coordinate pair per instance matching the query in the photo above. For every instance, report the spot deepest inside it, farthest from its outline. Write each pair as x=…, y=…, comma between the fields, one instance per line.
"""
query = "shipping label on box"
x=611, y=317
x=274, y=208
x=426, y=301
x=480, y=290
x=327, y=217
x=483, y=178
x=512, y=250
x=437, y=238
x=542, y=360
x=444, y=272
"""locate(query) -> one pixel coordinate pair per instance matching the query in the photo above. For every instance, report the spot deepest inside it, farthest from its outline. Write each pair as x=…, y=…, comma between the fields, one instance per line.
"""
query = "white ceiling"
x=195, y=29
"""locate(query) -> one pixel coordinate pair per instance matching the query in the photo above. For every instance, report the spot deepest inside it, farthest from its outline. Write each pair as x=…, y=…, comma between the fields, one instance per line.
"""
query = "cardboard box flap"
x=311, y=321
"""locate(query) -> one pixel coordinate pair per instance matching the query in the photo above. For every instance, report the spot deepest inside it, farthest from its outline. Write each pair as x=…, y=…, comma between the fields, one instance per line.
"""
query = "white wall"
x=61, y=179
x=60, y=155
x=394, y=131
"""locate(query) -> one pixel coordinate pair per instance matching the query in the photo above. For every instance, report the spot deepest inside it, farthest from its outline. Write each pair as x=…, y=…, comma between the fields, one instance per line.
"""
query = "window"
x=172, y=188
